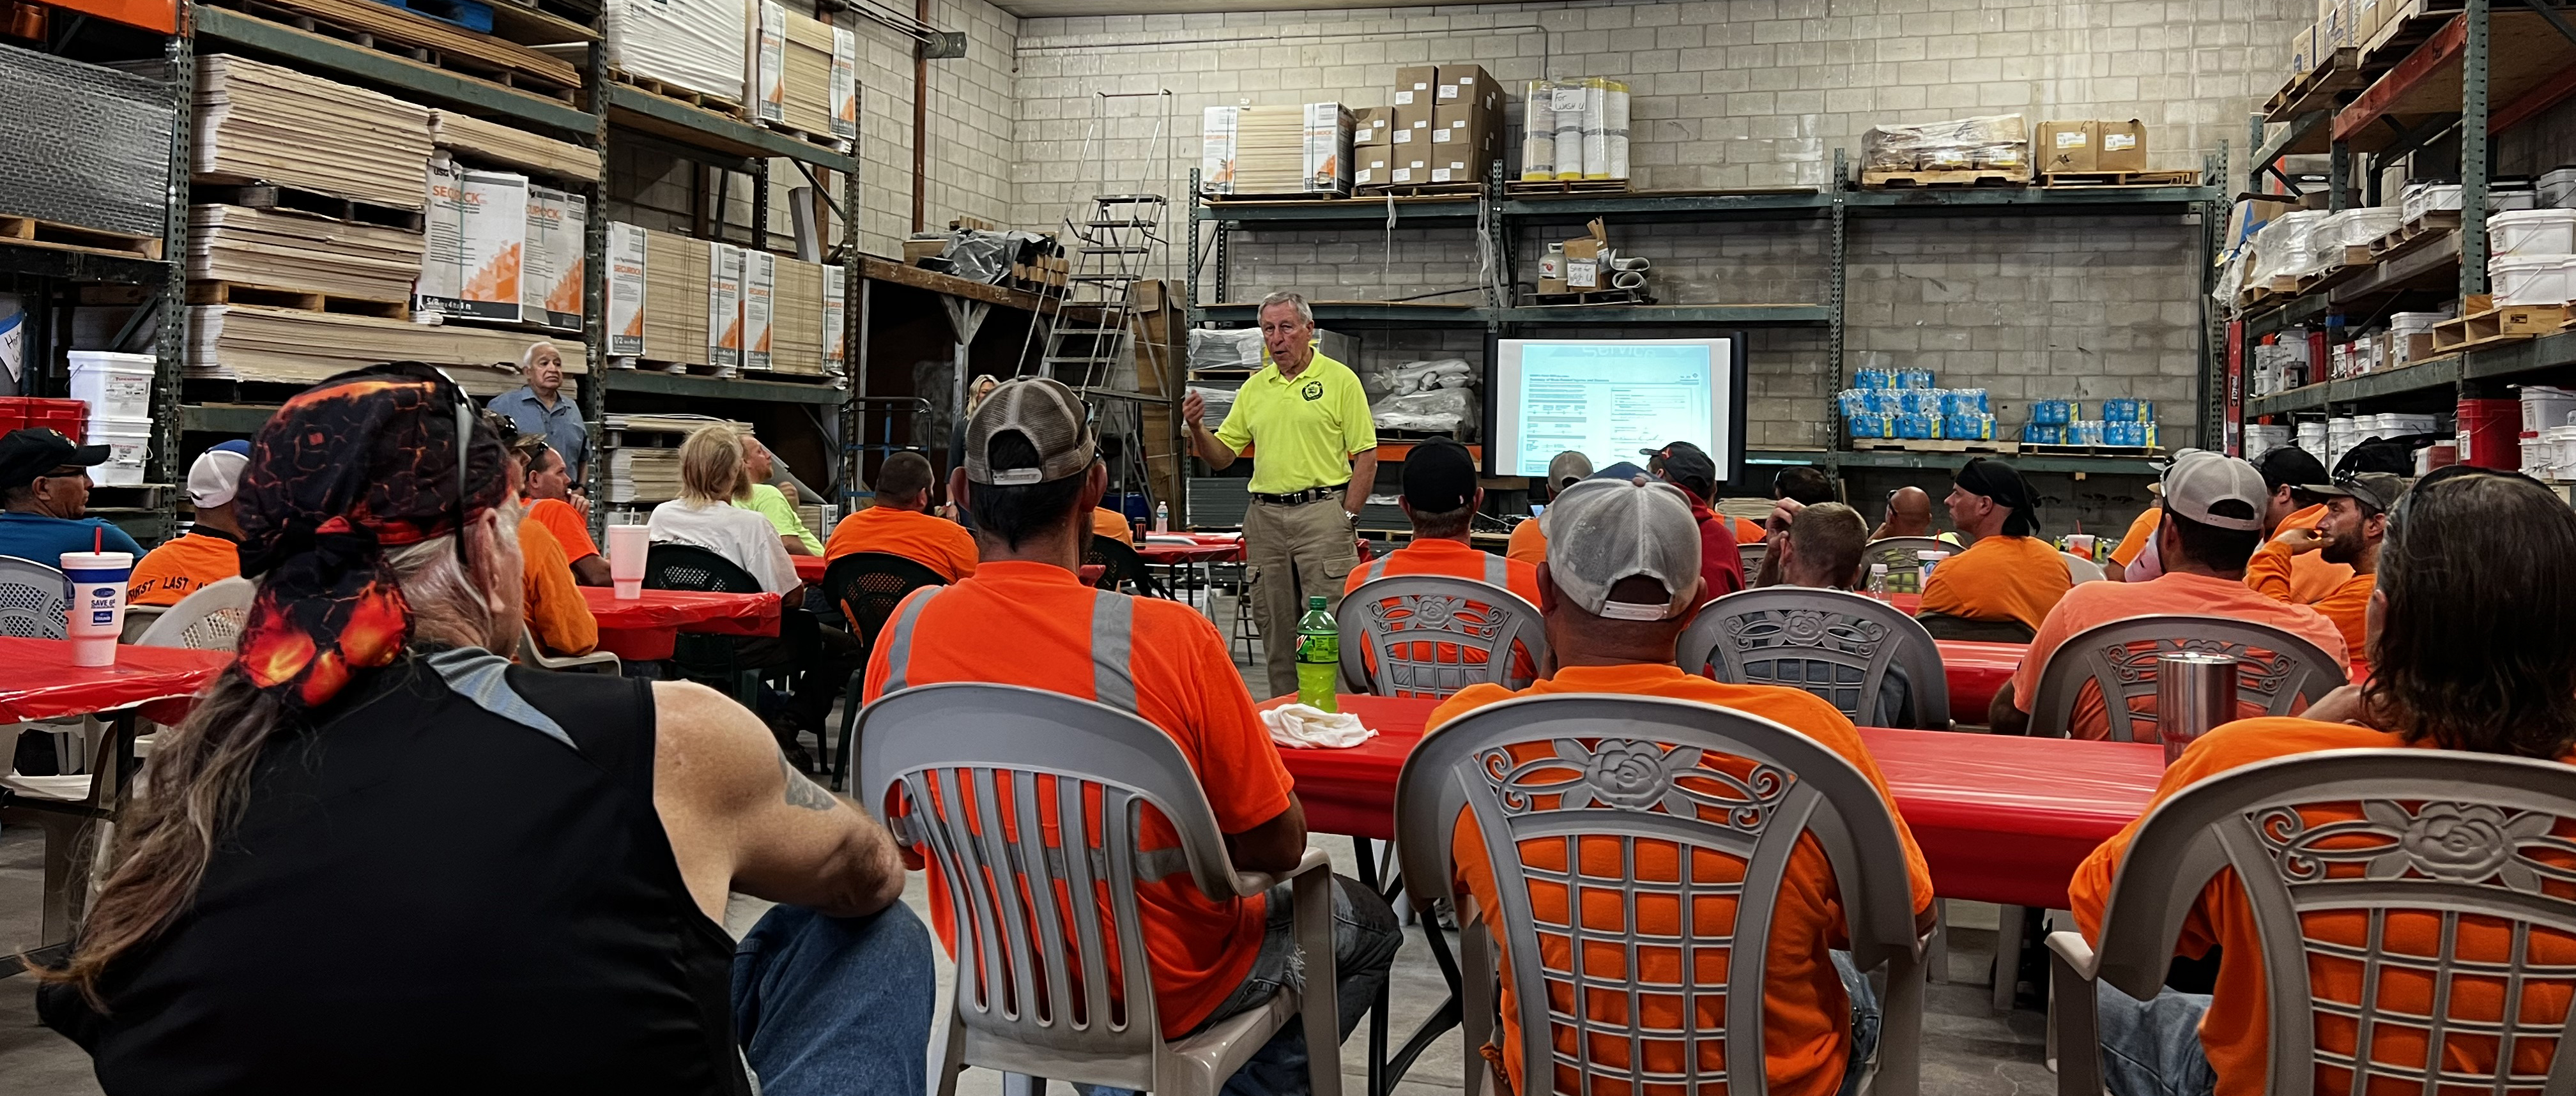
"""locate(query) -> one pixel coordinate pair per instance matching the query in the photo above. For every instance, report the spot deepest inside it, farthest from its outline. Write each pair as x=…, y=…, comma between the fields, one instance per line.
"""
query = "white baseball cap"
x=1603, y=531
x=2200, y=479
x=217, y=473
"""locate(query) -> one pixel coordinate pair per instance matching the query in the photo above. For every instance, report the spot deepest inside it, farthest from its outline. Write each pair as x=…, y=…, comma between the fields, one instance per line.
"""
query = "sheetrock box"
x=835, y=320
x=724, y=305
x=759, y=292
x=768, y=61
x=475, y=228
x=625, y=290
x=551, y=275
x=1216, y=149
x=845, y=82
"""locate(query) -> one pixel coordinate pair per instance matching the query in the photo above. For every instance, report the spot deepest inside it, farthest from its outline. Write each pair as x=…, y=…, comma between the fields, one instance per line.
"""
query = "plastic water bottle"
x=1162, y=517
x=1878, y=581
x=1319, y=657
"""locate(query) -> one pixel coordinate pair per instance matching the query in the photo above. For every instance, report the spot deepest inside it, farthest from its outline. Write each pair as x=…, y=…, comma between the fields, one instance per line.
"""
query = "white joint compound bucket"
x=129, y=444
x=115, y=386
x=2532, y=232
x=2529, y=279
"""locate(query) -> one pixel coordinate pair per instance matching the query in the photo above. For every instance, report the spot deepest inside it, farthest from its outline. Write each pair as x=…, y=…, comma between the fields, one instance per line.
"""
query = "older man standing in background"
x=1317, y=459
x=541, y=407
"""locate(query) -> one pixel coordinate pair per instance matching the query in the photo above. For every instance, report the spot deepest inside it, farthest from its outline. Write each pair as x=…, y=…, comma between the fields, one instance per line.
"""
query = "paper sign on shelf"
x=759, y=289
x=625, y=290
x=724, y=305
x=845, y=82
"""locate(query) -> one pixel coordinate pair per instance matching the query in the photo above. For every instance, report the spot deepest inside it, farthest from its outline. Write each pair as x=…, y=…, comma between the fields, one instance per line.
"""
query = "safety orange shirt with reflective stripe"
x=934, y=542
x=1159, y=659
x=1806, y=1013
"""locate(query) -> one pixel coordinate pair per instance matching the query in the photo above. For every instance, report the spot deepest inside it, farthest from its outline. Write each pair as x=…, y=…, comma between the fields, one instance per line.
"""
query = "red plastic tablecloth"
x=811, y=568
x=1999, y=819
x=1167, y=554
x=40, y=682
x=648, y=627
x=1977, y=671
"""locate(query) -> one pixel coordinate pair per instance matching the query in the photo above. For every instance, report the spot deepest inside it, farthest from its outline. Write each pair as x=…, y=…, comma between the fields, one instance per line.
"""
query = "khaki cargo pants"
x=1296, y=552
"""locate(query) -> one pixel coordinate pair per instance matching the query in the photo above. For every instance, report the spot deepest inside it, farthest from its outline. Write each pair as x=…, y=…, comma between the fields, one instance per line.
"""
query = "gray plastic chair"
x=1834, y=644
x=35, y=599
x=1387, y=615
x=1620, y=767
x=2278, y=670
x=210, y=619
x=2443, y=835
x=1903, y=569
x=1021, y=1005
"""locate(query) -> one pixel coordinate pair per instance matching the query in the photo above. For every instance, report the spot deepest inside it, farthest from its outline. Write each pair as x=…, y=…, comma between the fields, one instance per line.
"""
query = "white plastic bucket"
x=2544, y=407
x=2558, y=188
x=2528, y=279
x=2423, y=198
x=115, y=386
x=129, y=444
x=2532, y=232
x=2413, y=323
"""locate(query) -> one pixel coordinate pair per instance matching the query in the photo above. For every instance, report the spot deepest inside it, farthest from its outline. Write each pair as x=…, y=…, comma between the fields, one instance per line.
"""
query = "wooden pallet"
x=1425, y=190
x=31, y=232
x=2486, y=325
x=824, y=139
x=269, y=197
x=2119, y=178
x=204, y=292
x=1605, y=296
x=2407, y=26
x=1973, y=177
x=699, y=99
x=2408, y=236
x=2337, y=72
x=2044, y=449
x=1935, y=445
x=1563, y=188
x=692, y=369
x=1286, y=196
x=415, y=37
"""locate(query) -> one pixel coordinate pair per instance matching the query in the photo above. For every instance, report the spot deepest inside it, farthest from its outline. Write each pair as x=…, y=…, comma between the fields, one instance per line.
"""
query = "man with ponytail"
x=379, y=858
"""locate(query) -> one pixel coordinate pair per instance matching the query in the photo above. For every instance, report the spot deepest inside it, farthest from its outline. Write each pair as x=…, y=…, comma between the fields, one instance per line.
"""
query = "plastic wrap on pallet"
x=2349, y=228
x=1538, y=148
x=1446, y=409
x=88, y=146
x=698, y=45
x=2281, y=248
x=1995, y=140
x=1236, y=349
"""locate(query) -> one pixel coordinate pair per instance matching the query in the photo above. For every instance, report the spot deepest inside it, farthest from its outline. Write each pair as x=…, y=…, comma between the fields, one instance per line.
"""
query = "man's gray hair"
x=528, y=357
x=1305, y=312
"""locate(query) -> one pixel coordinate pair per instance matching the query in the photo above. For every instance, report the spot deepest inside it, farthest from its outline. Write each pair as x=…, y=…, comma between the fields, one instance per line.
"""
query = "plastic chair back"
x=1432, y=635
x=2277, y=670
x=35, y=600
x=2476, y=852
x=943, y=763
x=1834, y=644
x=1121, y=567
x=1752, y=552
x=1634, y=773
x=209, y=619
x=688, y=567
x=868, y=585
x=2080, y=570
x=1904, y=570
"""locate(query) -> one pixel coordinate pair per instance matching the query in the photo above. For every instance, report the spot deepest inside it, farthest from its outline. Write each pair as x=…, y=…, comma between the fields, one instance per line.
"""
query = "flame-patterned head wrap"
x=363, y=463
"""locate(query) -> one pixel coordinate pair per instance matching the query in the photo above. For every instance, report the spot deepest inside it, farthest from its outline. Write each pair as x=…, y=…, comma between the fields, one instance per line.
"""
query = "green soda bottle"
x=1319, y=657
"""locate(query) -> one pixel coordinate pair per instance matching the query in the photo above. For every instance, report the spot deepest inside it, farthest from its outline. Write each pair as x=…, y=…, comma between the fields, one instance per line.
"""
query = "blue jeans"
x=1866, y=1016
x=1365, y=937
x=835, y=1005
x=2152, y=1047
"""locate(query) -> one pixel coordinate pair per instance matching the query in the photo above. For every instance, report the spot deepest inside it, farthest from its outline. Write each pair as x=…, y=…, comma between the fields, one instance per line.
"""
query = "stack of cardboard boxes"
x=2064, y=148
x=1445, y=126
x=2341, y=24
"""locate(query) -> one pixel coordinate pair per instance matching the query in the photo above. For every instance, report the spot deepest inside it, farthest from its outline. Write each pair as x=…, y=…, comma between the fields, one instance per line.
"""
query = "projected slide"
x=1610, y=399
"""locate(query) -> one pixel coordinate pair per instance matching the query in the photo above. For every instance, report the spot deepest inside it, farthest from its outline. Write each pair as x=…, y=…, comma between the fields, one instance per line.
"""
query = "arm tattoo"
x=802, y=792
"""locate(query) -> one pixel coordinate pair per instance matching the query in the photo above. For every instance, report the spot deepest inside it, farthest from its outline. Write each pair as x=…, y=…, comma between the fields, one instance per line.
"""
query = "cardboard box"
x=724, y=305
x=1468, y=85
x=1372, y=127
x=2367, y=17
x=916, y=250
x=476, y=230
x=2064, y=146
x=1370, y=166
x=1552, y=286
x=759, y=295
x=625, y=290
x=1594, y=246
x=2334, y=27
x=1408, y=169
x=1410, y=105
x=2120, y=146
x=550, y=279
x=2303, y=50
x=1465, y=136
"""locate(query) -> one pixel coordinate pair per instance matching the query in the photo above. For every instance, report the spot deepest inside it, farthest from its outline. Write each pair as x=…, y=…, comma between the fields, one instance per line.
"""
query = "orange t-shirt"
x=934, y=542
x=181, y=566
x=2274, y=573
x=1440, y=556
x=1112, y=524
x=2235, y=1032
x=2135, y=540
x=1806, y=1034
x=1528, y=544
x=2173, y=592
x=571, y=530
x=2311, y=578
x=1186, y=684
x=1748, y=532
x=1999, y=578
x=557, y=615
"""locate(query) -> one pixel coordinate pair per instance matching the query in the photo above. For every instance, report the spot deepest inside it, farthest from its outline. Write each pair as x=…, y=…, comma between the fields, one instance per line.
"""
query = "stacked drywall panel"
x=1255, y=150
x=675, y=310
x=262, y=123
x=500, y=144
x=278, y=250
x=795, y=70
x=796, y=320
x=248, y=343
x=88, y=146
x=695, y=45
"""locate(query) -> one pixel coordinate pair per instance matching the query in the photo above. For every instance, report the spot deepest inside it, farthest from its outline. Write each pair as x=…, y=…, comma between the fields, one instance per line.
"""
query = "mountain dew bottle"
x=1319, y=657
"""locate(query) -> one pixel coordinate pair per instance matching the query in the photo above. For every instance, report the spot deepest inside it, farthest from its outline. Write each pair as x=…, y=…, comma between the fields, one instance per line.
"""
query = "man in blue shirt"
x=44, y=488
x=541, y=407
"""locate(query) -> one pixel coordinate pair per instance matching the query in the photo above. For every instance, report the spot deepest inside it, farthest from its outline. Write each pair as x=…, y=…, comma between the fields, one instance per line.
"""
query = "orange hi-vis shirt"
x=2172, y=593
x=1999, y=578
x=2273, y=573
x=181, y=566
x=931, y=541
x=1112, y=524
x=1806, y=1038
x=2135, y=540
x=1441, y=556
x=2235, y=1032
x=571, y=530
x=2311, y=578
x=1528, y=544
x=1159, y=659
x=557, y=615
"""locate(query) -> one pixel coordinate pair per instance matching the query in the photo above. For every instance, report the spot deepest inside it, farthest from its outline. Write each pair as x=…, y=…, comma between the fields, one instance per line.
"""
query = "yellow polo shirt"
x=1308, y=429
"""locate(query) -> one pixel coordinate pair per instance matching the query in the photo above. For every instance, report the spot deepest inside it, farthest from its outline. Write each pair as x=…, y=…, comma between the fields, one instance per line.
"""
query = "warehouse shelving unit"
x=2478, y=72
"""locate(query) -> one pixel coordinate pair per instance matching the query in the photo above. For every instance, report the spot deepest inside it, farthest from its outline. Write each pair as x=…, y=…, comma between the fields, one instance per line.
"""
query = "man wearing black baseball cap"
x=2356, y=517
x=44, y=490
x=2287, y=470
x=1441, y=496
x=1721, y=561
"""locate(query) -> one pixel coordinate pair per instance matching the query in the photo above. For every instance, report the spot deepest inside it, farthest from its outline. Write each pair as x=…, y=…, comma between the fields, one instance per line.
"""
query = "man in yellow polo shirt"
x=1316, y=458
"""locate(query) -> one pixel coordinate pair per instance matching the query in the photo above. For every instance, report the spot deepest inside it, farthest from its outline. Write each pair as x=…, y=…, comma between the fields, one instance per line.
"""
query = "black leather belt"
x=1301, y=498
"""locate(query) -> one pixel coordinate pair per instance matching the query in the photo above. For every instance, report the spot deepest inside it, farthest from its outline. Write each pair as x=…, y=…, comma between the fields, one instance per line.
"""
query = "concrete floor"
x=1967, y=1049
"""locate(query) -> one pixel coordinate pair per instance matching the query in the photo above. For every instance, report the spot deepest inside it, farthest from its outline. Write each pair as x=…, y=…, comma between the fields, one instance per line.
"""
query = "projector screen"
x=1609, y=398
